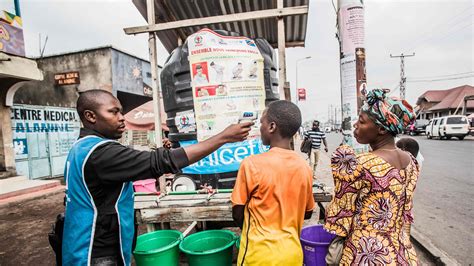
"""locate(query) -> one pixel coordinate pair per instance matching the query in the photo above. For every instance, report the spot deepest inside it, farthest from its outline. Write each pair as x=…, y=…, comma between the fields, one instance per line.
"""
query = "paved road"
x=444, y=197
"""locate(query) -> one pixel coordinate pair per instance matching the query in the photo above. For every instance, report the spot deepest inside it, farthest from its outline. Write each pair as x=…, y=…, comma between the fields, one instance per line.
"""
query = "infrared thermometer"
x=248, y=117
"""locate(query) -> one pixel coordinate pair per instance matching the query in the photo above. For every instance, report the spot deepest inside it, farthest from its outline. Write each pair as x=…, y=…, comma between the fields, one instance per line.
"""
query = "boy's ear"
x=272, y=127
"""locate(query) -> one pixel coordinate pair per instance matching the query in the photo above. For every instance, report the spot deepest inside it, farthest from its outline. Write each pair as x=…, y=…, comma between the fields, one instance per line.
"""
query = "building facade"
x=44, y=120
x=437, y=103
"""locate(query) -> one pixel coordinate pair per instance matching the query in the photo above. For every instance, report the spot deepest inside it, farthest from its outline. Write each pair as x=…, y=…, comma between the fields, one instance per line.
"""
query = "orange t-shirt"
x=277, y=185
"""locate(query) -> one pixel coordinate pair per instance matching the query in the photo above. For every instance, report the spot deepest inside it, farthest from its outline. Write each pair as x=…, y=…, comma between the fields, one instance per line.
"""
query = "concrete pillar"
x=7, y=155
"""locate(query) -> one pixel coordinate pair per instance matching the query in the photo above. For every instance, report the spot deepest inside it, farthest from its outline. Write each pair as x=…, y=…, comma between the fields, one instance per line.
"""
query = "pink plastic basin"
x=147, y=185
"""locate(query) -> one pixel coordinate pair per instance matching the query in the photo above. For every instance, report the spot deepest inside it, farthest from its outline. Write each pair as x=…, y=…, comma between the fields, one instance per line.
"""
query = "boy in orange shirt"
x=273, y=193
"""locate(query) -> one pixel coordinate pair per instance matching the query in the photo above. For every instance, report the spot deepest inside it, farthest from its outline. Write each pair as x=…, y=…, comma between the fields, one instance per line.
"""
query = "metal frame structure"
x=282, y=22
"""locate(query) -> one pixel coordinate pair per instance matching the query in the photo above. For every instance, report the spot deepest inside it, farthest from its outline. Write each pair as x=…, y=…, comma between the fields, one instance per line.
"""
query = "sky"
x=440, y=33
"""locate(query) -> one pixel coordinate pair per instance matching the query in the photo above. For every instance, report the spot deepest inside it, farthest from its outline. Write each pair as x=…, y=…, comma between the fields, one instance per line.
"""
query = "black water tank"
x=178, y=93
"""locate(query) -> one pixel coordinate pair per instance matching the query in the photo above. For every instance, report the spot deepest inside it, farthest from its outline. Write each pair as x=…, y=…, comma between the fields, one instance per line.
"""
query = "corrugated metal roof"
x=455, y=98
x=175, y=10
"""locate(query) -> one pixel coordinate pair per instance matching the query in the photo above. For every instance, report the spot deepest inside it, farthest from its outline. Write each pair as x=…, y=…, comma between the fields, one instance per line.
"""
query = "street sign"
x=301, y=94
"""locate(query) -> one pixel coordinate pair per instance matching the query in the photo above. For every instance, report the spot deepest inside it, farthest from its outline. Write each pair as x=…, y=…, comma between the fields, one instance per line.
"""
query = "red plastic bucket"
x=147, y=185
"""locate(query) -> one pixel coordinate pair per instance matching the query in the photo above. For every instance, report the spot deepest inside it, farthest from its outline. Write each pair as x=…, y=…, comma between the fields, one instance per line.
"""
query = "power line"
x=447, y=75
x=394, y=90
x=443, y=36
x=437, y=27
x=433, y=80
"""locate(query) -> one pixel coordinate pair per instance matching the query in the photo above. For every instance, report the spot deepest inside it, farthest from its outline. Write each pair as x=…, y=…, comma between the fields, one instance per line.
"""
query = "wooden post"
x=155, y=80
x=281, y=53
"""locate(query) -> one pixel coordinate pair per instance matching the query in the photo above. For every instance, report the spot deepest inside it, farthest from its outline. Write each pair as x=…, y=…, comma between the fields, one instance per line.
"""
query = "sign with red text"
x=301, y=94
x=227, y=80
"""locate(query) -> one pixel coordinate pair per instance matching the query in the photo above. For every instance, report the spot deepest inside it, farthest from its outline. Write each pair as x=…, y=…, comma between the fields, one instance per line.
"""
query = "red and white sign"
x=301, y=94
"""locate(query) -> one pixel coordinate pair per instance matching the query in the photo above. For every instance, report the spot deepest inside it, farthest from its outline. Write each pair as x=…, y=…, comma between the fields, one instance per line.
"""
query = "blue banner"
x=226, y=159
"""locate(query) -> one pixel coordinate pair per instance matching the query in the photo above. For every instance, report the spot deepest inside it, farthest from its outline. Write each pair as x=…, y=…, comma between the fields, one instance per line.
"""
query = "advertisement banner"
x=11, y=39
x=227, y=80
x=301, y=94
x=226, y=159
x=361, y=77
x=11, y=34
x=353, y=73
x=349, y=94
x=351, y=28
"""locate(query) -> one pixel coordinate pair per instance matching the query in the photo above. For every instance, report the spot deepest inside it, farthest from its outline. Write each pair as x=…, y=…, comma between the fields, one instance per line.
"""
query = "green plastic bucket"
x=158, y=248
x=211, y=247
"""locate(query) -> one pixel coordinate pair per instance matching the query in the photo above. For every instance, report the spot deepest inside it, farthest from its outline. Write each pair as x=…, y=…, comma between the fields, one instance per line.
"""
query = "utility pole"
x=402, y=73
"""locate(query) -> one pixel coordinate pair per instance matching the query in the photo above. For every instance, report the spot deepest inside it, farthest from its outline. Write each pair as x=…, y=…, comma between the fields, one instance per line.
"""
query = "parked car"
x=418, y=127
x=447, y=127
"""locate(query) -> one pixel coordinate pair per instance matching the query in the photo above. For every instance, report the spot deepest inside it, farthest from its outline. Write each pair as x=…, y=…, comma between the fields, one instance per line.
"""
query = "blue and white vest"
x=81, y=212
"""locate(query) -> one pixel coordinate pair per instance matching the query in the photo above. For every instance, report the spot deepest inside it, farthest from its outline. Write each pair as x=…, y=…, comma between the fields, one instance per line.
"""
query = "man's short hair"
x=286, y=115
x=410, y=145
x=199, y=66
x=89, y=100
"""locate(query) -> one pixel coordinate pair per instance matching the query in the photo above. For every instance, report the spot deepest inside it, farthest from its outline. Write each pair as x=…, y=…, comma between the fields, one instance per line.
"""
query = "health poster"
x=227, y=80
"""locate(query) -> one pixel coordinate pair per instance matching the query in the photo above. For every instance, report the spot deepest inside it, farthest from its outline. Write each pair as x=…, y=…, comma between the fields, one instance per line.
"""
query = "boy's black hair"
x=89, y=100
x=410, y=145
x=286, y=115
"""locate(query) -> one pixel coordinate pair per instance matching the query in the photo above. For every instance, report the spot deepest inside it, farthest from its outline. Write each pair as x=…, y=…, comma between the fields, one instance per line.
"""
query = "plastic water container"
x=158, y=248
x=211, y=247
x=315, y=242
x=147, y=185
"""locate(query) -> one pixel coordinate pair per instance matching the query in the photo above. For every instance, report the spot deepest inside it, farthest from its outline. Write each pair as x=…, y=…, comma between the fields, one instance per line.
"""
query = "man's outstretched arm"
x=233, y=133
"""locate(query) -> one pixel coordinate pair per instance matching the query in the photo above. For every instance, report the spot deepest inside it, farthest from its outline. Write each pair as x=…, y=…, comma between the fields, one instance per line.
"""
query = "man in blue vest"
x=99, y=222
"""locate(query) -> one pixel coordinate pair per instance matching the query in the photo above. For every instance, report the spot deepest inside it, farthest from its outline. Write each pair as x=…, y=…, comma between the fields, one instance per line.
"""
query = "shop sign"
x=147, y=90
x=68, y=78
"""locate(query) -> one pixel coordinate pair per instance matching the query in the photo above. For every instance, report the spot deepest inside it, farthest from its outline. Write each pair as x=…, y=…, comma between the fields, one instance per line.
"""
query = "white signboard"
x=227, y=80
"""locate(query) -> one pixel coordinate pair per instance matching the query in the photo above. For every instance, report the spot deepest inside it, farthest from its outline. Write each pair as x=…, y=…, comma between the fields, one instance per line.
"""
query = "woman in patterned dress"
x=372, y=207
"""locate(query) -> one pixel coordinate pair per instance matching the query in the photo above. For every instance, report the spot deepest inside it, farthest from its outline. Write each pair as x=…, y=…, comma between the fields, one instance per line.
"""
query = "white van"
x=447, y=127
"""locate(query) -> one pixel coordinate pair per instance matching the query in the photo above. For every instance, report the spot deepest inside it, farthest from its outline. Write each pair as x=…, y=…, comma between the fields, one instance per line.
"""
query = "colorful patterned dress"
x=372, y=208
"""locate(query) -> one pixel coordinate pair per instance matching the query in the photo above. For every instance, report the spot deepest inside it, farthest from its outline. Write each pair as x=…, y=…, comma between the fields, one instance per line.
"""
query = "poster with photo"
x=227, y=80
x=353, y=70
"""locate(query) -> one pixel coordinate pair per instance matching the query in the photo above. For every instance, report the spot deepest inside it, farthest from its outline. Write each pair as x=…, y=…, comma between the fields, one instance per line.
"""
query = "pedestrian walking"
x=371, y=211
x=99, y=216
x=317, y=137
x=273, y=193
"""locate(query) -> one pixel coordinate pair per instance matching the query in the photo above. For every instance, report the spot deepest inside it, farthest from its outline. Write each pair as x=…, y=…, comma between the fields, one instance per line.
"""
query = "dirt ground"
x=24, y=229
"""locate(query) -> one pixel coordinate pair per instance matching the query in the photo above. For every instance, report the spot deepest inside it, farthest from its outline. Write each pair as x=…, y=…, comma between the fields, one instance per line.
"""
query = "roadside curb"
x=31, y=196
x=437, y=255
